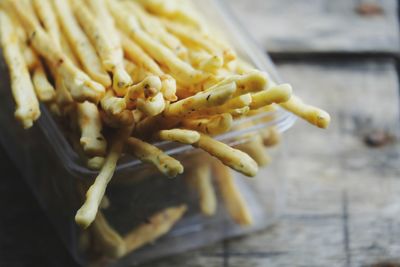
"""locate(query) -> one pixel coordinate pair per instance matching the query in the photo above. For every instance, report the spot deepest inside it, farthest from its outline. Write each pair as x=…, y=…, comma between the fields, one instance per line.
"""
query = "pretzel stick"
x=110, y=52
x=92, y=140
x=210, y=98
x=231, y=195
x=214, y=125
x=200, y=179
x=275, y=94
x=77, y=82
x=27, y=110
x=49, y=20
x=111, y=242
x=312, y=114
x=151, y=154
x=157, y=225
x=151, y=106
x=179, y=69
x=43, y=88
x=231, y=157
x=80, y=43
x=178, y=135
x=87, y=213
x=255, y=149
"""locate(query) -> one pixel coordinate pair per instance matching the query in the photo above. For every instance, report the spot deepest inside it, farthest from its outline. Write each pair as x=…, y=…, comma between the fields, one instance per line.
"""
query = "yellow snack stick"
x=155, y=28
x=80, y=43
x=111, y=242
x=123, y=119
x=64, y=98
x=248, y=83
x=150, y=86
x=168, y=87
x=205, y=62
x=276, y=94
x=236, y=103
x=87, y=213
x=206, y=99
x=100, y=9
x=150, y=154
x=111, y=104
x=151, y=106
x=135, y=53
x=27, y=110
x=214, y=125
x=110, y=53
x=271, y=137
x=233, y=199
x=95, y=163
x=178, y=135
x=43, y=88
x=156, y=226
x=200, y=178
x=78, y=83
x=92, y=140
x=49, y=20
x=313, y=115
x=255, y=149
x=179, y=69
x=231, y=157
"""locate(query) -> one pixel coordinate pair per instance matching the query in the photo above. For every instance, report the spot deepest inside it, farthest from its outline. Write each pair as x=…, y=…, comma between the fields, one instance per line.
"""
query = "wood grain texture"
x=342, y=199
x=309, y=26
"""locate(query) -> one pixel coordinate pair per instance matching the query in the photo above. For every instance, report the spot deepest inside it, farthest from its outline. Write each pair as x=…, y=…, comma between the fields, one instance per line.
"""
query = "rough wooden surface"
x=342, y=199
x=321, y=25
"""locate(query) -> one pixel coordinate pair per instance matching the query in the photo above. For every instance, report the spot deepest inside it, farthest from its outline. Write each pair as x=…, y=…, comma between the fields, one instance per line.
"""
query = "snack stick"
x=231, y=157
x=248, y=83
x=151, y=154
x=276, y=94
x=30, y=57
x=233, y=199
x=111, y=104
x=168, y=87
x=49, y=21
x=95, y=163
x=27, y=110
x=151, y=106
x=80, y=43
x=78, y=83
x=235, y=103
x=150, y=125
x=111, y=243
x=205, y=62
x=200, y=179
x=156, y=226
x=63, y=98
x=99, y=7
x=214, y=125
x=255, y=149
x=312, y=114
x=178, y=11
x=66, y=48
x=150, y=86
x=135, y=53
x=243, y=67
x=178, y=135
x=92, y=140
x=155, y=28
x=137, y=115
x=179, y=69
x=206, y=99
x=123, y=119
x=110, y=53
x=43, y=88
x=87, y=213
x=239, y=112
x=271, y=136
x=191, y=37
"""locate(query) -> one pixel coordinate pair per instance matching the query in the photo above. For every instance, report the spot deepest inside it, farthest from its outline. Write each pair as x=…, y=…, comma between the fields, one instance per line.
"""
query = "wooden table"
x=343, y=193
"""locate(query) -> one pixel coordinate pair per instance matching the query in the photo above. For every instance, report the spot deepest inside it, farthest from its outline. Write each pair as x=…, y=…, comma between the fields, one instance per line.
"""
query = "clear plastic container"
x=52, y=169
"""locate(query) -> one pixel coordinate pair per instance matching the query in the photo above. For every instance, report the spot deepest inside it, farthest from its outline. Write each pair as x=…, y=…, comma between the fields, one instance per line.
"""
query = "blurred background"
x=343, y=184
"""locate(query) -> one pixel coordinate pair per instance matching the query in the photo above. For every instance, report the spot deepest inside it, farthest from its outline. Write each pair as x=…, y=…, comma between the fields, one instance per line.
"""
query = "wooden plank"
x=303, y=26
